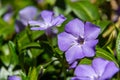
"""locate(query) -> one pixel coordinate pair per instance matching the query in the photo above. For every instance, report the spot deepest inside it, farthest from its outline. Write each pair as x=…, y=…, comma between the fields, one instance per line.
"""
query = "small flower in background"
x=8, y=14
x=78, y=40
x=99, y=70
x=26, y=14
x=115, y=10
x=14, y=78
x=48, y=22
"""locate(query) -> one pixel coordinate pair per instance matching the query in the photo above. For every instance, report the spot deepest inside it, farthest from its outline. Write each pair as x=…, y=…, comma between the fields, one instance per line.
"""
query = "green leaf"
x=85, y=10
x=5, y=56
x=118, y=47
x=35, y=72
x=1, y=40
x=3, y=10
x=23, y=38
x=106, y=55
x=103, y=24
x=85, y=61
x=14, y=57
x=31, y=45
x=51, y=2
x=37, y=34
x=6, y=30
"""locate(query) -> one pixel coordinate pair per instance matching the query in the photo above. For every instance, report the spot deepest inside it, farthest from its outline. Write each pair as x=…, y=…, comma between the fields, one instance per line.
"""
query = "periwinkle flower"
x=14, y=78
x=78, y=40
x=7, y=17
x=100, y=69
x=48, y=22
x=26, y=14
x=8, y=14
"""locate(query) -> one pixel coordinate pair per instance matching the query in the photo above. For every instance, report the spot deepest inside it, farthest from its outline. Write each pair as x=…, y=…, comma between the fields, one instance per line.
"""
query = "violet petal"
x=81, y=78
x=99, y=65
x=65, y=41
x=47, y=16
x=74, y=53
x=110, y=70
x=91, y=31
x=75, y=27
x=27, y=14
x=74, y=64
x=85, y=71
x=37, y=25
x=14, y=78
x=88, y=51
x=58, y=20
x=91, y=43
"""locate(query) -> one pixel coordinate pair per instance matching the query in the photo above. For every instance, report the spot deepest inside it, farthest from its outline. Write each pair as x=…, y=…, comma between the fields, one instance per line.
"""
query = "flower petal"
x=91, y=31
x=27, y=13
x=99, y=65
x=47, y=16
x=19, y=26
x=110, y=70
x=7, y=16
x=88, y=51
x=75, y=27
x=14, y=78
x=73, y=65
x=58, y=20
x=85, y=71
x=74, y=53
x=37, y=25
x=65, y=41
x=91, y=43
x=80, y=78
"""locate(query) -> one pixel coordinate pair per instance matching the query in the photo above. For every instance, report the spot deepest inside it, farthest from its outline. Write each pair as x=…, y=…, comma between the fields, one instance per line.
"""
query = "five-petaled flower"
x=78, y=40
x=100, y=69
x=48, y=22
x=14, y=78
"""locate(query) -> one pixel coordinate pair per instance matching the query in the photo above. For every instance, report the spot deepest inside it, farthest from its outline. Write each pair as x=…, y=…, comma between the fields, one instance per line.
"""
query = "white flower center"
x=47, y=25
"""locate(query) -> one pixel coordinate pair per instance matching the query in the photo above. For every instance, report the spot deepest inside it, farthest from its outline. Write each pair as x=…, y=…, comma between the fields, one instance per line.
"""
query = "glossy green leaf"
x=106, y=55
x=118, y=47
x=14, y=57
x=31, y=45
x=24, y=40
x=35, y=72
x=85, y=61
x=5, y=56
x=85, y=10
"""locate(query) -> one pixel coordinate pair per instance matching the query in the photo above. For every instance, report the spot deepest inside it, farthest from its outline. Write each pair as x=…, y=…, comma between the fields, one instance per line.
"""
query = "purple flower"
x=26, y=14
x=48, y=22
x=7, y=17
x=8, y=14
x=78, y=40
x=14, y=78
x=99, y=70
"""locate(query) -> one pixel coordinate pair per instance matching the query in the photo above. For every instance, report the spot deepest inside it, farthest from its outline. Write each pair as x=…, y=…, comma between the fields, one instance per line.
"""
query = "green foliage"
x=14, y=57
x=85, y=61
x=118, y=48
x=85, y=10
x=106, y=55
x=34, y=56
x=102, y=24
